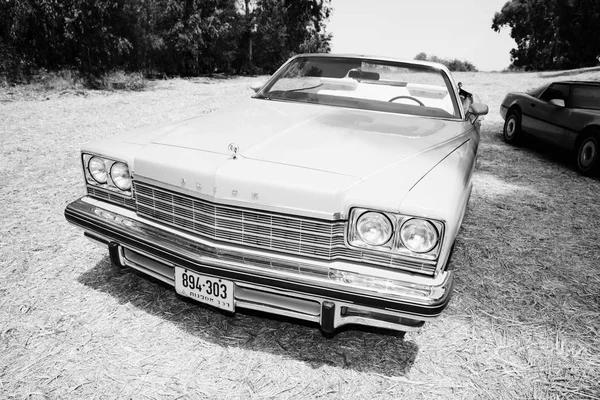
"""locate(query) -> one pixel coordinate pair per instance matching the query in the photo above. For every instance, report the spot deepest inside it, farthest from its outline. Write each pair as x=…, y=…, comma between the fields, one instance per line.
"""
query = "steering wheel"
x=419, y=102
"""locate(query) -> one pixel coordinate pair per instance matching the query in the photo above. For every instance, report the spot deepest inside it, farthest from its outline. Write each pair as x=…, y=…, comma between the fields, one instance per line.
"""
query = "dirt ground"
x=523, y=323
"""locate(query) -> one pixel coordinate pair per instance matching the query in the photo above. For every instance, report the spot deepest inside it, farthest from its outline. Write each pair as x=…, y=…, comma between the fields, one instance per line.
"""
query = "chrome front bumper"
x=331, y=294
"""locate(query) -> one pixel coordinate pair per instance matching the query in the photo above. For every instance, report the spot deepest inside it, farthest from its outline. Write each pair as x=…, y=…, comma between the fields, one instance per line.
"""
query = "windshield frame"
x=459, y=114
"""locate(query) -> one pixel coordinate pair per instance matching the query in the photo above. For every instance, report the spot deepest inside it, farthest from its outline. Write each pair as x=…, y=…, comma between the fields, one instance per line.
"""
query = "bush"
x=58, y=81
x=120, y=80
x=452, y=64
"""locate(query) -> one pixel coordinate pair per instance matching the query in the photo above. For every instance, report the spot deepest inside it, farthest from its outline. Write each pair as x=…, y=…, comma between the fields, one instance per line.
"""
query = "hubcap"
x=587, y=154
x=510, y=127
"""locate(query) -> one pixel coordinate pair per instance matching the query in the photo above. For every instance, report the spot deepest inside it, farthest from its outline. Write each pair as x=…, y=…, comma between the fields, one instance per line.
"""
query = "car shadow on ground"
x=553, y=156
x=362, y=349
x=528, y=249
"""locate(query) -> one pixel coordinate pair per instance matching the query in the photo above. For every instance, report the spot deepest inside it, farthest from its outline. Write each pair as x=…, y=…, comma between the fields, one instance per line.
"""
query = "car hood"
x=336, y=140
x=297, y=156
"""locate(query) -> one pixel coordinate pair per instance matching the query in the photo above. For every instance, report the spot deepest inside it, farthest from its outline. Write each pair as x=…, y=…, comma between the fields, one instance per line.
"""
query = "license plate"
x=216, y=292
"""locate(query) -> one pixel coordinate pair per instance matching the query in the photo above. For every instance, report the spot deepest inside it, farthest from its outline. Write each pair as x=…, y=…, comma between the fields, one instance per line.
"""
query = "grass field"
x=524, y=322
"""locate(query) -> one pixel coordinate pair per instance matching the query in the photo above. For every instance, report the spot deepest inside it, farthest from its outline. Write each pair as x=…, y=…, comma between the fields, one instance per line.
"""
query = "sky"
x=404, y=28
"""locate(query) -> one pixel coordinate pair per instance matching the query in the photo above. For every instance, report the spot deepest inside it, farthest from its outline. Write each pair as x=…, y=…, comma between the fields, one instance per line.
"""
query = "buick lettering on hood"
x=333, y=195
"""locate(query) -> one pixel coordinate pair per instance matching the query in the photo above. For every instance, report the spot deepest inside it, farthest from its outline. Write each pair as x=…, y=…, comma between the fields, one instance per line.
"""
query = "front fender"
x=444, y=192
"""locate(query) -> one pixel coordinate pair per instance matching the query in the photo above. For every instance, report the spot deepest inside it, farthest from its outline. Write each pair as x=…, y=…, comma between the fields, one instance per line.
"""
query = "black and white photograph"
x=299, y=199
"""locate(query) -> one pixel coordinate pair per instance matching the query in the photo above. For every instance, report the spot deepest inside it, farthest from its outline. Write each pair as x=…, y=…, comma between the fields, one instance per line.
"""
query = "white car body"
x=247, y=195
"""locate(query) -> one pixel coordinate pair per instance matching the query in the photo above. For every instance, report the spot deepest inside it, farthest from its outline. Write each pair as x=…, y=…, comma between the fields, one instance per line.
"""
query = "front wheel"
x=512, y=127
x=586, y=155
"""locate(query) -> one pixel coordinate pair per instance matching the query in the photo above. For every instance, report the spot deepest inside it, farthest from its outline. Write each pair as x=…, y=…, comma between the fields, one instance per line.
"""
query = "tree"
x=81, y=34
x=95, y=34
x=166, y=37
x=452, y=64
x=421, y=56
x=278, y=29
x=552, y=34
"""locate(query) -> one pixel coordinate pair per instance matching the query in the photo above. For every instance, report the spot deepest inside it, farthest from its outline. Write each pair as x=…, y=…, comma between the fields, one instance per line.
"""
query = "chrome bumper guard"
x=331, y=294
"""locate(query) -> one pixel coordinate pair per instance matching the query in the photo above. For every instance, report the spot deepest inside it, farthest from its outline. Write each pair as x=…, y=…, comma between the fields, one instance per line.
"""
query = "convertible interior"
x=367, y=88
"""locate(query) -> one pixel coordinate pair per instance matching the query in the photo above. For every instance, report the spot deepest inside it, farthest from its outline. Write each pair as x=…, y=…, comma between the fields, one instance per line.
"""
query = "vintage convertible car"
x=334, y=195
x=566, y=114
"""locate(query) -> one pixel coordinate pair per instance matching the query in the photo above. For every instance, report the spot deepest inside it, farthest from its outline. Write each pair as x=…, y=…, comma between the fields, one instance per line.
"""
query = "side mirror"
x=257, y=85
x=476, y=112
x=558, y=102
x=478, y=109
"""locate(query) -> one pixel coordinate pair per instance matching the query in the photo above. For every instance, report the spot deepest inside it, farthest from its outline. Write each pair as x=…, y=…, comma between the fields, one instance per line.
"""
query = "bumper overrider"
x=330, y=293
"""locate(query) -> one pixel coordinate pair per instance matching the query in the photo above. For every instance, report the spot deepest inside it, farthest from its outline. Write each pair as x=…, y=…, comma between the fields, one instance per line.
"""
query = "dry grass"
x=524, y=321
x=45, y=85
x=120, y=80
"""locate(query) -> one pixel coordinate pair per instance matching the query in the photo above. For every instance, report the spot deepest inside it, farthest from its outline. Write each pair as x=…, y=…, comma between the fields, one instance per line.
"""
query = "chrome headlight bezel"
x=109, y=184
x=395, y=244
x=424, y=225
x=121, y=179
x=98, y=178
x=374, y=220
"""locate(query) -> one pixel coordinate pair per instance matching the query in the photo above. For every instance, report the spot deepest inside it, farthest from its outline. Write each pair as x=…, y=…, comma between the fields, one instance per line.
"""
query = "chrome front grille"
x=111, y=197
x=265, y=230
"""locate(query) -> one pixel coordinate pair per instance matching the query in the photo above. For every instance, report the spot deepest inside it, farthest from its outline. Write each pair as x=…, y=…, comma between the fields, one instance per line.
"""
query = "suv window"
x=585, y=97
x=556, y=91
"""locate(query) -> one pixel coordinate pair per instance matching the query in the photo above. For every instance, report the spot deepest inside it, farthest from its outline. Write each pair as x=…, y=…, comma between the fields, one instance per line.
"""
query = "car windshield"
x=386, y=86
x=536, y=92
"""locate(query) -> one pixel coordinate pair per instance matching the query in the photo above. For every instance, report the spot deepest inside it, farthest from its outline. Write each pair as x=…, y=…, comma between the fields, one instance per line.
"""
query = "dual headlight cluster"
x=109, y=174
x=394, y=232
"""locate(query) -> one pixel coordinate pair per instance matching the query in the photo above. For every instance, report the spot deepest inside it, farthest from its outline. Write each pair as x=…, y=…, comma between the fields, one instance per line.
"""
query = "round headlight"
x=374, y=228
x=119, y=173
x=419, y=235
x=97, y=169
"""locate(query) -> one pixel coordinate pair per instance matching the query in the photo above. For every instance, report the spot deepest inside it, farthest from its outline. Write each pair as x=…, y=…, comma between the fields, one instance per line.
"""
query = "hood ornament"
x=234, y=149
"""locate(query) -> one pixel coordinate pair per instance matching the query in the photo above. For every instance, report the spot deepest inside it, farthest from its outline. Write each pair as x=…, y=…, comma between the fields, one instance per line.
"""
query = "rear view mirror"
x=558, y=102
x=359, y=75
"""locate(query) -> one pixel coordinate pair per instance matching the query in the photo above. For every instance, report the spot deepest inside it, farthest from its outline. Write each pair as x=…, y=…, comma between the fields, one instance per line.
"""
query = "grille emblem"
x=234, y=148
x=234, y=193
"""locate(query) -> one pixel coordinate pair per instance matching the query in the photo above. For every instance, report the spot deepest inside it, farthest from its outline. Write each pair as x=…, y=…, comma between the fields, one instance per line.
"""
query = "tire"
x=512, y=127
x=587, y=154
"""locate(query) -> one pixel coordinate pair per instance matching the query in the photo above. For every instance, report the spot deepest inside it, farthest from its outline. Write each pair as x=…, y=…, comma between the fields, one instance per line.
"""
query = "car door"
x=546, y=120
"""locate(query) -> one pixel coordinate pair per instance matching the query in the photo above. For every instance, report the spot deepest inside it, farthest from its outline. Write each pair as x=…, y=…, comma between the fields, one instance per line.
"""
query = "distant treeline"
x=451, y=64
x=158, y=37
